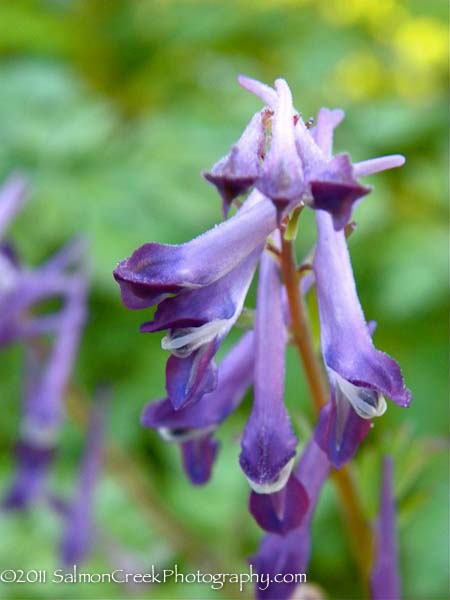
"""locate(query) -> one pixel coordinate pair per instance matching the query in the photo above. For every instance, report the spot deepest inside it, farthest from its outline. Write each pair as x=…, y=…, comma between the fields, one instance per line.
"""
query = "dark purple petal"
x=340, y=431
x=268, y=443
x=290, y=554
x=385, y=580
x=216, y=308
x=235, y=173
x=155, y=271
x=198, y=310
x=198, y=458
x=363, y=373
x=235, y=375
x=281, y=511
x=187, y=379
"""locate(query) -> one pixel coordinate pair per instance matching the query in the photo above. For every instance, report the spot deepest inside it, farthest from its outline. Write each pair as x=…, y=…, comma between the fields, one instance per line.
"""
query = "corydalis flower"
x=385, y=581
x=193, y=427
x=281, y=174
x=269, y=443
x=236, y=172
x=289, y=554
x=47, y=373
x=210, y=277
x=299, y=168
x=155, y=271
x=359, y=374
x=47, y=370
x=197, y=322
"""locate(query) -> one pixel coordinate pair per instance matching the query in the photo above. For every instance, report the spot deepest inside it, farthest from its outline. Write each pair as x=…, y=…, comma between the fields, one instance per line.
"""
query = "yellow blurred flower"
x=359, y=76
x=422, y=42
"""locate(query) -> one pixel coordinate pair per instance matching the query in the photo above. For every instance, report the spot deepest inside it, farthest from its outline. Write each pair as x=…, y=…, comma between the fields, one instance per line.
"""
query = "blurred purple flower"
x=47, y=371
x=79, y=531
x=385, y=580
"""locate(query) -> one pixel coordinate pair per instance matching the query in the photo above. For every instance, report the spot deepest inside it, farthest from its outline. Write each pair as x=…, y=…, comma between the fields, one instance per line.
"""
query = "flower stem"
x=359, y=529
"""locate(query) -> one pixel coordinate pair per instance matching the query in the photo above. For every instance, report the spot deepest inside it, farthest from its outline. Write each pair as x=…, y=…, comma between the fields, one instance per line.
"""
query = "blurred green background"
x=112, y=108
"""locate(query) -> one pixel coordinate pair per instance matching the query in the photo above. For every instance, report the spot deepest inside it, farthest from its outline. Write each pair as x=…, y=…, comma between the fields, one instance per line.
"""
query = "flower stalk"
x=359, y=529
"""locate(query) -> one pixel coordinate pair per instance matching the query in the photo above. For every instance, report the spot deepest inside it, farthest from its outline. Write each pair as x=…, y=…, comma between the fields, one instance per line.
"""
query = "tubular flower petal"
x=289, y=554
x=358, y=373
x=155, y=271
x=235, y=173
x=197, y=323
x=198, y=458
x=281, y=177
x=385, y=580
x=269, y=443
x=192, y=426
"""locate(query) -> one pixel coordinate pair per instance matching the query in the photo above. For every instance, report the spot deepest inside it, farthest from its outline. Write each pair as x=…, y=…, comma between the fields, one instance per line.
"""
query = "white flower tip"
x=183, y=434
x=182, y=342
x=277, y=484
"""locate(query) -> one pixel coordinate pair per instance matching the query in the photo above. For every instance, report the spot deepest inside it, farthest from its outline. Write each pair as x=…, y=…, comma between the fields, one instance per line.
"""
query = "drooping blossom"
x=235, y=173
x=385, y=580
x=268, y=443
x=360, y=376
x=209, y=280
x=289, y=554
x=193, y=427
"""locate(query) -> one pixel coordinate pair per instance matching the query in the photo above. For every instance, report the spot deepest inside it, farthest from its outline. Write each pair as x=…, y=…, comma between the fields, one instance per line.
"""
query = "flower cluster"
x=199, y=288
x=50, y=341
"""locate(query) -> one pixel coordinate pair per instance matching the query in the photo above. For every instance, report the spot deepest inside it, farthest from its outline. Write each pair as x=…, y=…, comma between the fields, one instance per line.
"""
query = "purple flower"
x=385, y=581
x=197, y=322
x=269, y=443
x=155, y=271
x=236, y=172
x=47, y=371
x=78, y=536
x=281, y=174
x=300, y=168
x=289, y=554
x=192, y=427
x=281, y=511
x=359, y=374
x=209, y=278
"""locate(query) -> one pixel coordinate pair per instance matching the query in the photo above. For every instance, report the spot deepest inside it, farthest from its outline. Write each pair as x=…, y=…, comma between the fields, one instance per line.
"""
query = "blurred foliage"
x=112, y=109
